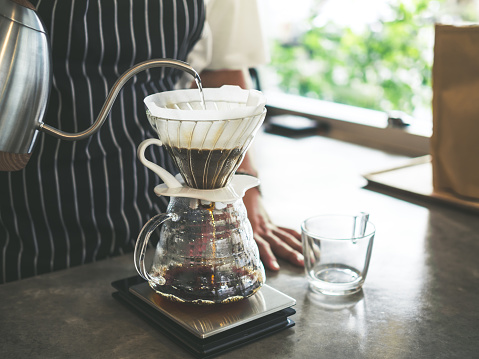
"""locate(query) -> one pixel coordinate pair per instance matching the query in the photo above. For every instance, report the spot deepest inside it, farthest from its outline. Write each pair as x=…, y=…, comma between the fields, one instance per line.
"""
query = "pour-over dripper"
x=207, y=144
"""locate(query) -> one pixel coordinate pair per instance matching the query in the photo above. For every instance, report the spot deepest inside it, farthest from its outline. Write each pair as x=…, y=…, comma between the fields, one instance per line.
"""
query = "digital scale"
x=209, y=330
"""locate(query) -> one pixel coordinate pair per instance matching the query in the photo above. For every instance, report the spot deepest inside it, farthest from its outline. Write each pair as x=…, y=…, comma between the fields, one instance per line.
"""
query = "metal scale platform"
x=209, y=330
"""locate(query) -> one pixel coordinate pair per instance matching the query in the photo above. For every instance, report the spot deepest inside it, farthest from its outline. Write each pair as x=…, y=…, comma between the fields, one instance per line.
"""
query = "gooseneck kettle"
x=25, y=82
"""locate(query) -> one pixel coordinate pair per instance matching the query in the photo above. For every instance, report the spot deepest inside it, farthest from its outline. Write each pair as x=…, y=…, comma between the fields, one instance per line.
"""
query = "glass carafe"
x=206, y=252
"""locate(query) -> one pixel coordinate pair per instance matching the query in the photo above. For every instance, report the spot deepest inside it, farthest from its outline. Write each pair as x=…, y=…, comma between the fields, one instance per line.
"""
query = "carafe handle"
x=166, y=176
x=142, y=244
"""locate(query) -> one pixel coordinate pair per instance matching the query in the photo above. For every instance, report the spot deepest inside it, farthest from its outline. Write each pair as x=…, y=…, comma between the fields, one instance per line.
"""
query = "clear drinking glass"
x=337, y=250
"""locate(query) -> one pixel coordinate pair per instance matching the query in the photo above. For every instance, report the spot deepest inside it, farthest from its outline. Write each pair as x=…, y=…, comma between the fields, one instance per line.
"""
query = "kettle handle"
x=166, y=176
x=142, y=244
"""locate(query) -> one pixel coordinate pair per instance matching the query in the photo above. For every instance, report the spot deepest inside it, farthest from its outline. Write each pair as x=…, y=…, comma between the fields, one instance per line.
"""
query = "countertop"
x=420, y=299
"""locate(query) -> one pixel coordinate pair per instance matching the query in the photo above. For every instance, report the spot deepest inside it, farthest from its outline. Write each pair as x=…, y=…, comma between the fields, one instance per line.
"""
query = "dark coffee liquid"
x=209, y=284
x=206, y=169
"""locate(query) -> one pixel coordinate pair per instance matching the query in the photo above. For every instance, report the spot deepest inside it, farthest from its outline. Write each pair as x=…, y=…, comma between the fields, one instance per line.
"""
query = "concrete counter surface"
x=420, y=299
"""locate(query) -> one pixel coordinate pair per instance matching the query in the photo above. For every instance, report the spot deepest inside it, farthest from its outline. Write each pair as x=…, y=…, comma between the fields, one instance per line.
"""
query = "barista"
x=232, y=42
x=78, y=202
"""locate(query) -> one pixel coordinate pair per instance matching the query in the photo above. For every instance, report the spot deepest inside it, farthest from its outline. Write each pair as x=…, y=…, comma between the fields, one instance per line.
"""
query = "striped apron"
x=78, y=202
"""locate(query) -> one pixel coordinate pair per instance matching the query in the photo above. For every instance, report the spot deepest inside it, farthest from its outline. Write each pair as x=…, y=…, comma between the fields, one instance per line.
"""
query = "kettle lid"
x=21, y=12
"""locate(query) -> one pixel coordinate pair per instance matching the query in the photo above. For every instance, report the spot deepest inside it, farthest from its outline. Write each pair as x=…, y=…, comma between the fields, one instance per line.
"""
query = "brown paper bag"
x=455, y=139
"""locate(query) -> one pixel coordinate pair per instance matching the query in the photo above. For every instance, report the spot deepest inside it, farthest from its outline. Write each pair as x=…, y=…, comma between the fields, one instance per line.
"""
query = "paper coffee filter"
x=231, y=118
x=224, y=103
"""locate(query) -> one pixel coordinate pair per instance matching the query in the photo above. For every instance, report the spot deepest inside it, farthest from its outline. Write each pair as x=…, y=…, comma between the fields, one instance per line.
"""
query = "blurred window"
x=374, y=54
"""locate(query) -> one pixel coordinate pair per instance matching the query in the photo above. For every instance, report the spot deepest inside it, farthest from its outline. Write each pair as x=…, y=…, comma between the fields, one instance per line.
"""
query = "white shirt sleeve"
x=233, y=37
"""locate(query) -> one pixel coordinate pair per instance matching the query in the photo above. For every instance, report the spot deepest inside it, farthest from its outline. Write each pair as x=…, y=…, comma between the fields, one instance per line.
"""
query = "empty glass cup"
x=337, y=250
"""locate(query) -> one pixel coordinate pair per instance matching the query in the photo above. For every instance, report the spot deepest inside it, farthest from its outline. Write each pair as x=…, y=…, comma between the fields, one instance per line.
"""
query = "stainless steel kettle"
x=25, y=82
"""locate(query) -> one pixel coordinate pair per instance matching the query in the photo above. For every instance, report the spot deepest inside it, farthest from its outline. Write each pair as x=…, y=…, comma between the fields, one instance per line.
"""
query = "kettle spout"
x=117, y=86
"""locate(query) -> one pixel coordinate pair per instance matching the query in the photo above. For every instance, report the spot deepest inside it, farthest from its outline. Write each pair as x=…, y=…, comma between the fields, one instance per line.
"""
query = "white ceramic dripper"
x=207, y=145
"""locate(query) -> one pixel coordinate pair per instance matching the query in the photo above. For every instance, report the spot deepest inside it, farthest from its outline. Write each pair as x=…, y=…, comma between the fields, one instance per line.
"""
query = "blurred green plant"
x=385, y=65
